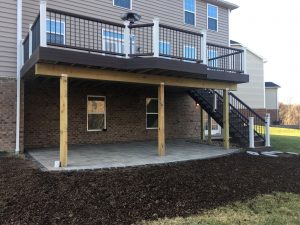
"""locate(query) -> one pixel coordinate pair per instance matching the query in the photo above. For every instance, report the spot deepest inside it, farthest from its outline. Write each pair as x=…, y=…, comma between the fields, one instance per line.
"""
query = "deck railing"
x=68, y=30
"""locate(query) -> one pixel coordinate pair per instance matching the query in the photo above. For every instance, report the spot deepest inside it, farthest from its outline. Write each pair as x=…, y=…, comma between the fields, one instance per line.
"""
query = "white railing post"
x=127, y=39
x=30, y=40
x=203, y=46
x=156, y=37
x=43, y=23
x=22, y=52
x=267, y=128
x=244, y=61
x=215, y=103
x=251, y=132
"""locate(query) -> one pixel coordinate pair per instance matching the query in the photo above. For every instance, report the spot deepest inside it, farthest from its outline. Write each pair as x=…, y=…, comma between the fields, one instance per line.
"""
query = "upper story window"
x=212, y=54
x=164, y=47
x=189, y=52
x=55, y=32
x=112, y=41
x=212, y=17
x=123, y=3
x=189, y=12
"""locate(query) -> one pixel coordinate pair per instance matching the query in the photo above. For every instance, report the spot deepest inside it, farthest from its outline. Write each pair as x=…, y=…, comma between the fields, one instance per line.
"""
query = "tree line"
x=289, y=114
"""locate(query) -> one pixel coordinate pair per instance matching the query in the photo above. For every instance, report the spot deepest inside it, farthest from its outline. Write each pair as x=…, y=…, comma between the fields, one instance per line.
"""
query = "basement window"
x=123, y=3
x=151, y=113
x=96, y=113
x=55, y=31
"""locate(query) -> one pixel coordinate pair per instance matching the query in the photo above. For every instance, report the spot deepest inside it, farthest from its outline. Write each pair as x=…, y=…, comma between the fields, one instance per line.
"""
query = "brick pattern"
x=273, y=114
x=126, y=113
x=7, y=114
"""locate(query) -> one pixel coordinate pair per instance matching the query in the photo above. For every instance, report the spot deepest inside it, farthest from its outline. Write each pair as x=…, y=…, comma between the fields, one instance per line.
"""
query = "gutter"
x=19, y=65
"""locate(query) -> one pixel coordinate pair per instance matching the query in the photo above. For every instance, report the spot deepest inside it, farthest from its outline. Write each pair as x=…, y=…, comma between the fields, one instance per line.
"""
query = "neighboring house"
x=272, y=103
x=86, y=77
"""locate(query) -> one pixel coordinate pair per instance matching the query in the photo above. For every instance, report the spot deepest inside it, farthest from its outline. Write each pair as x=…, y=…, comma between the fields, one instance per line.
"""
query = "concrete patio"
x=126, y=154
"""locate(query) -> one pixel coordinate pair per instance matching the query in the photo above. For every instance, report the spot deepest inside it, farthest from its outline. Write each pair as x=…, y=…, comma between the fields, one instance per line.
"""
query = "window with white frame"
x=189, y=12
x=211, y=61
x=151, y=113
x=123, y=3
x=96, y=113
x=55, y=32
x=112, y=41
x=189, y=52
x=212, y=17
x=164, y=48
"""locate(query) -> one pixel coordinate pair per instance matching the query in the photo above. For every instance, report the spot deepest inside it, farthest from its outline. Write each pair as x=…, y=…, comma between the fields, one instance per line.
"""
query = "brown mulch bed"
x=124, y=196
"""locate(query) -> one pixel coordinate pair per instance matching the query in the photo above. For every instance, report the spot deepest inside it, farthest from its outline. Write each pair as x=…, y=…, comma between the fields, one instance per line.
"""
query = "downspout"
x=19, y=64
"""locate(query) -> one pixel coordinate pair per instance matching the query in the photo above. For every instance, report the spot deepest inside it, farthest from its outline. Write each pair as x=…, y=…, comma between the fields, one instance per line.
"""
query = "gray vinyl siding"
x=170, y=13
x=253, y=93
x=8, y=38
x=271, y=98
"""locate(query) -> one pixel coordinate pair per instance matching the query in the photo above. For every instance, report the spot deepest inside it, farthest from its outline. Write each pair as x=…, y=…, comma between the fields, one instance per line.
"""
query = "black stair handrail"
x=246, y=111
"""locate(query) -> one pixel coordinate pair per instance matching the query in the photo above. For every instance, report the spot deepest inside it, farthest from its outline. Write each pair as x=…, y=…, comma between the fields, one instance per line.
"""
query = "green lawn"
x=274, y=209
x=285, y=139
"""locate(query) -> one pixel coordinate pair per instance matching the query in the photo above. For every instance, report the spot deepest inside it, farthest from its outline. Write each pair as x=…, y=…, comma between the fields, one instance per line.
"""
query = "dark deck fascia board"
x=149, y=65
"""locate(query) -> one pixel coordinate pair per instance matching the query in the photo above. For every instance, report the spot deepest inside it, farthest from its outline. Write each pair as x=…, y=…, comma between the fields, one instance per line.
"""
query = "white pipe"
x=19, y=64
x=251, y=132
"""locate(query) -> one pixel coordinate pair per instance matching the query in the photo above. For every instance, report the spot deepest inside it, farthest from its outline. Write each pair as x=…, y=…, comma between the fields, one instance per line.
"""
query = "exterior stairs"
x=211, y=101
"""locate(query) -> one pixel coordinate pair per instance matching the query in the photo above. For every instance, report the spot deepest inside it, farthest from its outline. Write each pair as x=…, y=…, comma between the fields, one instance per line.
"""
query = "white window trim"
x=167, y=43
x=120, y=40
x=184, y=10
x=213, y=17
x=121, y=7
x=87, y=114
x=54, y=32
x=150, y=128
x=189, y=46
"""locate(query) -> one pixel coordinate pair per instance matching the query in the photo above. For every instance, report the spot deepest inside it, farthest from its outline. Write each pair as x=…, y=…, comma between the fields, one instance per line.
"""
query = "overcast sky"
x=272, y=29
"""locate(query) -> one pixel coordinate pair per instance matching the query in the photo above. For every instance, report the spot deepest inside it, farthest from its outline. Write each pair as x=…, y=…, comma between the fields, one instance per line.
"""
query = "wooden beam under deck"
x=42, y=69
x=161, y=120
x=63, y=121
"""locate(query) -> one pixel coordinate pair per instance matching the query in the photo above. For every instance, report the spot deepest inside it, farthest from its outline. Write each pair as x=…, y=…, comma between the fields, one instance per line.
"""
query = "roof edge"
x=224, y=4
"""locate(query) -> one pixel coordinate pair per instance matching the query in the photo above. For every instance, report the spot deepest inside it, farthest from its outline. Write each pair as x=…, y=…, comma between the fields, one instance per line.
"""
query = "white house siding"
x=253, y=93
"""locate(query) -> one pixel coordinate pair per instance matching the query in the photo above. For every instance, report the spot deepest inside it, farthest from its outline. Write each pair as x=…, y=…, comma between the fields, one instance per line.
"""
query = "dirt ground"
x=125, y=196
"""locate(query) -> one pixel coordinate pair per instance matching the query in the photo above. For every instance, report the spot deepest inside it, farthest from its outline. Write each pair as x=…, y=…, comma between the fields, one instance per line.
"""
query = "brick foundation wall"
x=263, y=112
x=126, y=113
x=7, y=114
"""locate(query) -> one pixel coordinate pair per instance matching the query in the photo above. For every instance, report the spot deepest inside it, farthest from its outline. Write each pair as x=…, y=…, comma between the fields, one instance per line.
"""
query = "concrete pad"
x=126, y=154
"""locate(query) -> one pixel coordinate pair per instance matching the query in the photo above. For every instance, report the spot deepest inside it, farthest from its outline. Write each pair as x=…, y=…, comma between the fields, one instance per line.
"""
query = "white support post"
x=215, y=104
x=22, y=52
x=203, y=47
x=30, y=40
x=244, y=61
x=251, y=132
x=156, y=37
x=127, y=46
x=43, y=23
x=267, y=128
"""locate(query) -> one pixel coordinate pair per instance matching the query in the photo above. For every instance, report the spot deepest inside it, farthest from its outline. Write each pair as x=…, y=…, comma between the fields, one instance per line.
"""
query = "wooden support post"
x=63, y=121
x=209, y=124
x=161, y=120
x=226, y=118
x=202, y=125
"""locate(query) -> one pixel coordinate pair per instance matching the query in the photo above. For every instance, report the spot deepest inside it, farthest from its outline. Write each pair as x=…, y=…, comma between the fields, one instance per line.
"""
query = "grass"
x=284, y=139
x=273, y=209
